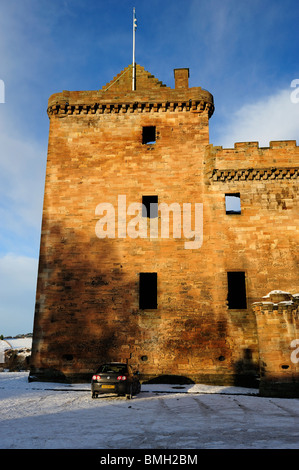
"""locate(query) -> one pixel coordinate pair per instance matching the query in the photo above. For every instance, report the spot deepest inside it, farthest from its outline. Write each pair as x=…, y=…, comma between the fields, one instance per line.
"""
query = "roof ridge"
x=144, y=79
x=117, y=77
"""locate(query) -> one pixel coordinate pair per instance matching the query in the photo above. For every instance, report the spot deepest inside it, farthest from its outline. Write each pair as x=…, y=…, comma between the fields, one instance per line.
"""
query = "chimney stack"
x=181, y=78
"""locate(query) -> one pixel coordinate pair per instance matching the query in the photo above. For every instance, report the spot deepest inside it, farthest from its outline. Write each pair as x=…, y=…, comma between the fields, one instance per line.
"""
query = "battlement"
x=254, y=144
x=117, y=96
x=249, y=161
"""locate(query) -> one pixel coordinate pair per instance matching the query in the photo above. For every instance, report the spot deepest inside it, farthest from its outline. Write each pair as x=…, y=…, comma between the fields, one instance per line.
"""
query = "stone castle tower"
x=169, y=289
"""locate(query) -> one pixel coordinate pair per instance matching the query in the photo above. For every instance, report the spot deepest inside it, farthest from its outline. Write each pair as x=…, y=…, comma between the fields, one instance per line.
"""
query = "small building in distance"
x=15, y=353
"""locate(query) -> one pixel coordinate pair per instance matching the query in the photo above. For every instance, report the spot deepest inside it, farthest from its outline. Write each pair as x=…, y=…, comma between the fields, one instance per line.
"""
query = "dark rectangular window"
x=150, y=206
x=148, y=290
x=149, y=135
x=236, y=296
x=233, y=203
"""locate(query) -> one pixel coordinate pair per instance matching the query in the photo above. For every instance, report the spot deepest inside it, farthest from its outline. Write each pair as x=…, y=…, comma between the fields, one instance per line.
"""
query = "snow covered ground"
x=19, y=343
x=62, y=416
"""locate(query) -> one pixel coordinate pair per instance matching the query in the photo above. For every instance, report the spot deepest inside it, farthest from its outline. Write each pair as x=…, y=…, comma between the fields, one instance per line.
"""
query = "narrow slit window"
x=233, y=203
x=236, y=295
x=147, y=290
x=149, y=135
x=150, y=206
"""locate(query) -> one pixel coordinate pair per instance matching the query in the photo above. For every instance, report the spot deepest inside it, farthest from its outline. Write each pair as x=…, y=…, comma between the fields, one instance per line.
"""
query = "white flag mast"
x=134, y=64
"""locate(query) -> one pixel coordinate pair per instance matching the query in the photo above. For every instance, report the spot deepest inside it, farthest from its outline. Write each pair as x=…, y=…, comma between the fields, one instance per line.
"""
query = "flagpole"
x=134, y=65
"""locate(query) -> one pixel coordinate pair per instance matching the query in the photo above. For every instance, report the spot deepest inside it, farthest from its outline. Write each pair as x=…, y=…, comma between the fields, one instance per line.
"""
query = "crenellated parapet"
x=117, y=97
x=247, y=161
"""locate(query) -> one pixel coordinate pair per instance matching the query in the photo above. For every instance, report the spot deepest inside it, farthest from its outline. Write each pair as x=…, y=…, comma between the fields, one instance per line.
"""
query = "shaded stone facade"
x=88, y=291
x=277, y=318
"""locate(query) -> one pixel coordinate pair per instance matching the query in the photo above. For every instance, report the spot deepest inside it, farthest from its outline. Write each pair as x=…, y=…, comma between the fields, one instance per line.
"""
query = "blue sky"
x=244, y=53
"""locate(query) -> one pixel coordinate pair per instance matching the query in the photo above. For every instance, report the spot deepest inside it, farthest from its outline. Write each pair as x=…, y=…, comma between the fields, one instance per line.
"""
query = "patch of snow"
x=275, y=292
x=20, y=343
x=40, y=415
x=4, y=345
x=286, y=302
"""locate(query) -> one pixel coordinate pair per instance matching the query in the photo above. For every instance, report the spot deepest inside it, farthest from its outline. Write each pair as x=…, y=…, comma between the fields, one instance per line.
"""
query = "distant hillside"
x=27, y=335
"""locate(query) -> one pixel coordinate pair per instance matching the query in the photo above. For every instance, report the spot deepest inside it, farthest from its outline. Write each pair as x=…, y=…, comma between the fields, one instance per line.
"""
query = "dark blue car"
x=115, y=377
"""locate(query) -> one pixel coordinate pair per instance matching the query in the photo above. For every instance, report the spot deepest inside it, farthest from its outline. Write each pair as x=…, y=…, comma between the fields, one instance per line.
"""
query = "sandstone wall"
x=87, y=306
x=278, y=331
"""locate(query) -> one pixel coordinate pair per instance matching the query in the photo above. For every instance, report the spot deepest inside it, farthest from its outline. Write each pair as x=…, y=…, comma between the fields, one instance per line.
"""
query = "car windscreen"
x=112, y=369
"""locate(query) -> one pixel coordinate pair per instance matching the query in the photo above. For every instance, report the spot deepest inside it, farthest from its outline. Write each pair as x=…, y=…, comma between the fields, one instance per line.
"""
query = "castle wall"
x=264, y=236
x=87, y=306
x=248, y=155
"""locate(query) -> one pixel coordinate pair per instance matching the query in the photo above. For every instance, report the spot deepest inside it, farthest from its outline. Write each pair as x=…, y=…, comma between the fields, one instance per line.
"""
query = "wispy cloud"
x=275, y=117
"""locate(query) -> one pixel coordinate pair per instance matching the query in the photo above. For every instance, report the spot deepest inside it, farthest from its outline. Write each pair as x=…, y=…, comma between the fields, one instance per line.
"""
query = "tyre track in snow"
x=150, y=432
x=286, y=411
x=204, y=408
x=179, y=414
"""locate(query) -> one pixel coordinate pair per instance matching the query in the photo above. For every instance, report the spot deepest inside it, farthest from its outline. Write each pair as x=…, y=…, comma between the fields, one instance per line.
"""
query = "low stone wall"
x=277, y=317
